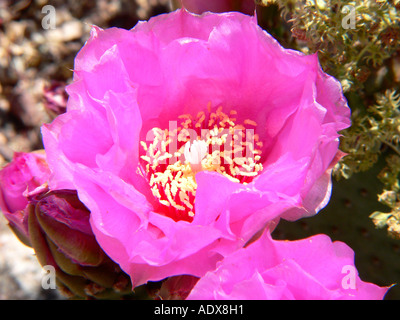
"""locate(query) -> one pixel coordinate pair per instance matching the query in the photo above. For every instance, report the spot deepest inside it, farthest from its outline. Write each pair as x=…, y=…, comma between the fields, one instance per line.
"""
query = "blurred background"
x=35, y=65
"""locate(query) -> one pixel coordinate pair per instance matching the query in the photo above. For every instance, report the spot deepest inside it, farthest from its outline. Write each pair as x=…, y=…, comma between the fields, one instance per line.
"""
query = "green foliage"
x=358, y=42
x=371, y=134
x=371, y=137
x=347, y=54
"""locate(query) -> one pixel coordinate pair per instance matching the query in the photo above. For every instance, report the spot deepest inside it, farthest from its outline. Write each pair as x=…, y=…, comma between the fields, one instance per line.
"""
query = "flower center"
x=210, y=141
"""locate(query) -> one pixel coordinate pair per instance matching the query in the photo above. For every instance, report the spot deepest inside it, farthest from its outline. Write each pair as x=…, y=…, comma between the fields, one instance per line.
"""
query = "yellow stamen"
x=224, y=147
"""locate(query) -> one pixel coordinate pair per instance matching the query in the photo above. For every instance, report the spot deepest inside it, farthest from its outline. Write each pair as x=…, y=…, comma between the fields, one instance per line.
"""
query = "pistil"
x=194, y=153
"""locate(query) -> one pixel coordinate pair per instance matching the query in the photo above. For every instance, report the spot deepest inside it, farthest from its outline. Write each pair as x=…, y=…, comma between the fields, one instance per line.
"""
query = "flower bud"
x=177, y=288
x=65, y=221
x=61, y=236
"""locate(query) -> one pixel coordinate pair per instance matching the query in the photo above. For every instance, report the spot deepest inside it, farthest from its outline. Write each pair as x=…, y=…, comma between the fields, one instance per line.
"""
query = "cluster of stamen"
x=210, y=141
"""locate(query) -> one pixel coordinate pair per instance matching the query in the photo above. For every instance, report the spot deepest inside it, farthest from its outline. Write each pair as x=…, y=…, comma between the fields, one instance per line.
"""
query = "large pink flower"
x=310, y=269
x=187, y=134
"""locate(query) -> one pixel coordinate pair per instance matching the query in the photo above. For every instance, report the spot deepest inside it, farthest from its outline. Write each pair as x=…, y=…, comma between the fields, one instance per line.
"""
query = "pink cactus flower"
x=188, y=134
x=24, y=175
x=310, y=269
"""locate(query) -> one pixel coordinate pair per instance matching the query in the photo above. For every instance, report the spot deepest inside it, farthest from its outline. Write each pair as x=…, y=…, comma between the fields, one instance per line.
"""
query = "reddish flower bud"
x=178, y=287
x=61, y=235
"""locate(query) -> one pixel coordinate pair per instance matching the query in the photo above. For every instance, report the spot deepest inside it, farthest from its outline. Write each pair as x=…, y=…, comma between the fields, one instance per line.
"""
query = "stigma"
x=194, y=153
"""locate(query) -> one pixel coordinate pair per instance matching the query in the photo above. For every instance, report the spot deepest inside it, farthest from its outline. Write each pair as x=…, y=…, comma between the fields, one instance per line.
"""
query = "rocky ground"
x=35, y=64
x=20, y=272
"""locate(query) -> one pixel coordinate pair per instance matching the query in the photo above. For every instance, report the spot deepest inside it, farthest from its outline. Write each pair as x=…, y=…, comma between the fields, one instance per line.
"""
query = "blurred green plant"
x=358, y=42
